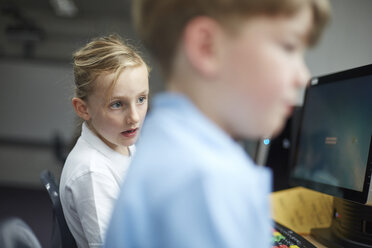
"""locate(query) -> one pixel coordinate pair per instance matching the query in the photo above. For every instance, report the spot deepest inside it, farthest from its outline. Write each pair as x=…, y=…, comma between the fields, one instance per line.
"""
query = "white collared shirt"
x=90, y=183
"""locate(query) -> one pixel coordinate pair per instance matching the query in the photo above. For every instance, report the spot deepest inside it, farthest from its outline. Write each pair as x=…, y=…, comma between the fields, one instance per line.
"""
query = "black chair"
x=61, y=235
x=15, y=233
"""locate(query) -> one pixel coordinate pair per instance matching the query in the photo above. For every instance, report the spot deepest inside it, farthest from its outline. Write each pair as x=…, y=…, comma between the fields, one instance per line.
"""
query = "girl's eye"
x=141, y=99
x=116, y=105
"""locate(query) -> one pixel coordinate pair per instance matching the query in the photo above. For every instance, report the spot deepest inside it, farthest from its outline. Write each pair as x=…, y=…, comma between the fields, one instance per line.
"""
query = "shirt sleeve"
x=94, y=195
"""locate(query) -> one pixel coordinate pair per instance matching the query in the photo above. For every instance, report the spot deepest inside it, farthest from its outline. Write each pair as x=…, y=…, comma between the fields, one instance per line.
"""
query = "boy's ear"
x=81, y=108
x=200, y=41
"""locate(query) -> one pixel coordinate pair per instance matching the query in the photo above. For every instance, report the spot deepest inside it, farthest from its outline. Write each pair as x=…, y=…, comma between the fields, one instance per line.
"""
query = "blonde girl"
x=111, y=99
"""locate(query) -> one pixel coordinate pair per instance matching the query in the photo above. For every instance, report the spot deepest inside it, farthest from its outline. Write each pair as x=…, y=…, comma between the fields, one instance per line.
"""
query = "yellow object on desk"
x=301, y=209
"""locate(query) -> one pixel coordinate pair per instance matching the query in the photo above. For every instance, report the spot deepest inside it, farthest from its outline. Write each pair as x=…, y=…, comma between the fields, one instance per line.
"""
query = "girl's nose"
x=133, y=116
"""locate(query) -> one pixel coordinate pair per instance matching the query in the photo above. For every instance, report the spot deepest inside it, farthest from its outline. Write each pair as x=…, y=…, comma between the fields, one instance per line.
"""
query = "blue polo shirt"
x=190, y=185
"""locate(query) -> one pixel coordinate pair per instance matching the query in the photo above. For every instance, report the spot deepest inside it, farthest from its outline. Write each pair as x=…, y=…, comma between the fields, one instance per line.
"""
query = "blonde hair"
x=108, y=54
x=160, y=23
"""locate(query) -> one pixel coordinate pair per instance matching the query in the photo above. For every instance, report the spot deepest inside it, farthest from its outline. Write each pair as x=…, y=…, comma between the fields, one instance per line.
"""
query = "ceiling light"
x=64, y=8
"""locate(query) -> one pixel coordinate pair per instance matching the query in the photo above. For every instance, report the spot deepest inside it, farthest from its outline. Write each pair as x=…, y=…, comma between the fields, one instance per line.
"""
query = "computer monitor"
x=333, y=151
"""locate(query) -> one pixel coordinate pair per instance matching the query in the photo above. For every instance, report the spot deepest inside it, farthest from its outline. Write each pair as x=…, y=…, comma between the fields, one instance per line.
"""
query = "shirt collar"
x=100, y=146
x=208, y=130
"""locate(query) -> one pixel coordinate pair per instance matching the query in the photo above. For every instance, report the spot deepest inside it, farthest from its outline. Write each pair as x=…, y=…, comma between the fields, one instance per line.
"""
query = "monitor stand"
x=351, y=226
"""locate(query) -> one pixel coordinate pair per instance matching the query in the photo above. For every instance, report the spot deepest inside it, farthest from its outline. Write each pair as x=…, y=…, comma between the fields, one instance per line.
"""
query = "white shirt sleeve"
x=94, y=194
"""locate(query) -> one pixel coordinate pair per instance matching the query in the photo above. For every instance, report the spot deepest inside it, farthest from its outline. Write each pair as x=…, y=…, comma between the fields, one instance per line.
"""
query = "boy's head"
x=160, y=24
x=111, y=90
x=240, y=61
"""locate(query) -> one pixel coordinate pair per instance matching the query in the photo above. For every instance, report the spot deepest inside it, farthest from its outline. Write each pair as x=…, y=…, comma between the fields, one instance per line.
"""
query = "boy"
x=233, y=69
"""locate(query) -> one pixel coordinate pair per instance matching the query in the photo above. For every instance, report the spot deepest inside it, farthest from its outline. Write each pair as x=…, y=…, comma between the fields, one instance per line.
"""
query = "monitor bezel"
x=345, y=193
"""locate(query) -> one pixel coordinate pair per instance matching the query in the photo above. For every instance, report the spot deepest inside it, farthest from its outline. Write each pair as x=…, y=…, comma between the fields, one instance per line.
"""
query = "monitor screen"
x=333, y=148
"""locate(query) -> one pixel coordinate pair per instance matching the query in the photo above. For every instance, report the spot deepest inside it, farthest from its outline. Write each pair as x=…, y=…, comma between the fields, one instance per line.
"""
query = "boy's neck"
x=203, y=96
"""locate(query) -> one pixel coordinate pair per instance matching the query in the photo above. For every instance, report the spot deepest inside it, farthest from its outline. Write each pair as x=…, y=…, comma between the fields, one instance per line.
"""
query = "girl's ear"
x=81, y=108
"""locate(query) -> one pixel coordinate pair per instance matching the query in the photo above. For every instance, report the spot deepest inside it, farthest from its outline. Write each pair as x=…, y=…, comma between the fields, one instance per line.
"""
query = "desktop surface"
x=313, y=241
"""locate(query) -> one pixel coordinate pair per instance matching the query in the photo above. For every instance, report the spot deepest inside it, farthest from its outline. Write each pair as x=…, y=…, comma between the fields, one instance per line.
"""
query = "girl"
x=111, y=98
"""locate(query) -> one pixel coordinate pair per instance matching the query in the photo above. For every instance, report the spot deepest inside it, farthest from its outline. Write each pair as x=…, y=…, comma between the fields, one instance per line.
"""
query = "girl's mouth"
x=130, y=133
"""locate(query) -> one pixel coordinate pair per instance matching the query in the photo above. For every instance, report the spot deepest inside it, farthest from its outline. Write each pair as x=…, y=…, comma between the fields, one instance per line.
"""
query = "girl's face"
x=117, y=120
x=264, y=71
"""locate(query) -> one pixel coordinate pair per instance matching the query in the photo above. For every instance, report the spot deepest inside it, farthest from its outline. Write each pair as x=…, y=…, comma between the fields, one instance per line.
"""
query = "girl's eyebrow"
x=145, y=92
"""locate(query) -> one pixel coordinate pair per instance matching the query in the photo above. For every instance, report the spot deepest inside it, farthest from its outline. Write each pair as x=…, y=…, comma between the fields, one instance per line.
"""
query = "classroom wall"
x=347, y=42
x=35, y=109
x=35, y=96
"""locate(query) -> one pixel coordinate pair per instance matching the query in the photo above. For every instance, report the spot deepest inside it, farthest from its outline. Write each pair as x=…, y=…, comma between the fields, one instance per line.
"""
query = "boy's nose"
x=303, y=74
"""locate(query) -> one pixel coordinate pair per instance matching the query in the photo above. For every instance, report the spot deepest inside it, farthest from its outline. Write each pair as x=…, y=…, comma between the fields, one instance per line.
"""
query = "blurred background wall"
x=347, y=42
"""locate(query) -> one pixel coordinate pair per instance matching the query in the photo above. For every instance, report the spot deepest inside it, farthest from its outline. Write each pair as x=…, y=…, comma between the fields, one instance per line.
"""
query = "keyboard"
x=283, y=237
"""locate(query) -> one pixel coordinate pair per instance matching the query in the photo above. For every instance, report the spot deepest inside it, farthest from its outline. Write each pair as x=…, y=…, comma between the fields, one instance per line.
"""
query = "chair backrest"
x=62, y=236
x=15, y=233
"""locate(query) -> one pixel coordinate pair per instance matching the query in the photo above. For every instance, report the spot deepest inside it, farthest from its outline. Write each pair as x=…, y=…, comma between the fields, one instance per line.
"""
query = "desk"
x=313, y=241
x=297, y=207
